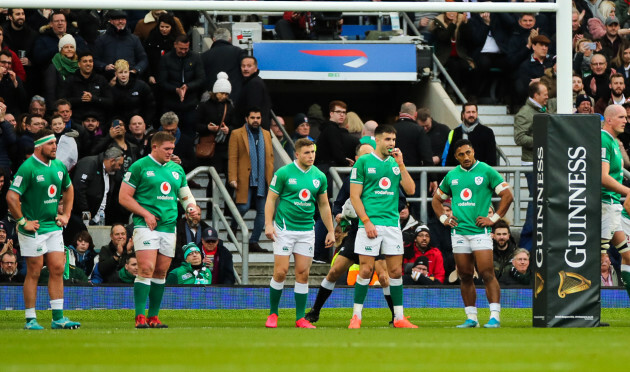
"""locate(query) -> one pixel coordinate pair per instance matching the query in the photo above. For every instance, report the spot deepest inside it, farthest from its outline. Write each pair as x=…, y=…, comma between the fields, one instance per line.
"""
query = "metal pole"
x=564, y=54
x=424, y=215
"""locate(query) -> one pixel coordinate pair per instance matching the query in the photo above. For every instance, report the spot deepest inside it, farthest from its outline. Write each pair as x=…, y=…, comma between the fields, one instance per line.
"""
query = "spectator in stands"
x=316, y=120
x=611, y=42
x=408, y=224
x=82, y=253
x=184, y=153
x=437, y=132
x=417, y=273
x=617, y=86
x=16, y=63
x=131, y=95
x=217, y=258
x=354, y=124
x=302, y=128
x=38, y=18
x=116, y=138
x=449, y=31
x=504, y=246
x=215, y=116
x=577, y=87
x=47, y=44
x=368, y=128
x=9, y=272
x=8, y=140
x=93, y=133
x=93, y=183
x=193, y=270
x=19, y=36
x=275, y=129
x=533, y=69
x=159, y=42
x=67, y=151
x=518, y=272
x=152, y=20
x=113, y=256
x=86, y=90
x=295, y=26
x=139, y=136
x=607, y=273
x=621, y=64
x=119, y=43
x=596, y=84
x=582, y=57
x=520, y=43
x=91, y=23
x=11, y=87
x=181, y=80
x=127, y=273
x=223, y=56
x=6, y=244
x=26, y=142
x=335, y=146
x=523, y=136
x=4, y=188
x=584, y=105
x=253, y=93
x=189, y=230
x=250, y=169
x=37, y=106
x=421, y=247
x=550, y=79
x=478, y=134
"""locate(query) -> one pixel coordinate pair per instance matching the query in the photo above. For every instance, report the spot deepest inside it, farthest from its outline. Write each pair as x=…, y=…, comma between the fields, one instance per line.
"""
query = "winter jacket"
x=114, y=45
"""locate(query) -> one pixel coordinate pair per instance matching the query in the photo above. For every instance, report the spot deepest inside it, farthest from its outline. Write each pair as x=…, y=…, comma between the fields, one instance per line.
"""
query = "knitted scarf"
x=257, y=159
x=467, y=129
x=64, y=65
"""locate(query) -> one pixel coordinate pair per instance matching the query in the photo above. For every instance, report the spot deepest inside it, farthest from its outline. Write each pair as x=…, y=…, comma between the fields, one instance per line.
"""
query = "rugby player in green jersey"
x=297, y=187
x=471, y=185
x=33, y=199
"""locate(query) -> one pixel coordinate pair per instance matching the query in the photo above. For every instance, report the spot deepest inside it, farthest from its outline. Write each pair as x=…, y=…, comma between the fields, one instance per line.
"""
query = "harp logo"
x=572, y=283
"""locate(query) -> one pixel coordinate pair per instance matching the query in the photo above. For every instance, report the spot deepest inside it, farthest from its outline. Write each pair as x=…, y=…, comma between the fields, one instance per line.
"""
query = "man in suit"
x=250, y=169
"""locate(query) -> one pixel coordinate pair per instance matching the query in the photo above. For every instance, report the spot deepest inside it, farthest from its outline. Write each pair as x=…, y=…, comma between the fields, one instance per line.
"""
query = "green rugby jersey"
x=472, y=191
x=157, y=188
x=611, y=155
x=298, y=191
x=380, y=179
x=40, y=187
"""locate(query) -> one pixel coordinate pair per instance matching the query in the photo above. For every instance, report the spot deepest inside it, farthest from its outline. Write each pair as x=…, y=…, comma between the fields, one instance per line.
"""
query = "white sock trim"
x=471, y=312
x=362, y=281
x=357, y=309
x=30, y=313
x=395, y=282
x=495, y=306
x=141, y=280
x=56, y=304
x=398, y=312
x=386, y=291
x=328, y=285
x=158, y=281
x=625, y=268
x=275, y=285
x=301, y=288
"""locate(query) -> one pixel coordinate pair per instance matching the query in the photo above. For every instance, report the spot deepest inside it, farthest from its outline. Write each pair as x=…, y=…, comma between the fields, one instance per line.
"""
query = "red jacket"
x=16, y=64
x=436, y=261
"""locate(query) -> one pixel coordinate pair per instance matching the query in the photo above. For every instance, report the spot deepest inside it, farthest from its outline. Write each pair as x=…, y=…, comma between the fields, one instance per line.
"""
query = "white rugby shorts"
x=147, y=239
x=388, y=241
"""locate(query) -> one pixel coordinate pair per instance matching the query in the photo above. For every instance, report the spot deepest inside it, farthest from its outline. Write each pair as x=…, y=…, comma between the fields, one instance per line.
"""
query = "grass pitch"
x=236, y=340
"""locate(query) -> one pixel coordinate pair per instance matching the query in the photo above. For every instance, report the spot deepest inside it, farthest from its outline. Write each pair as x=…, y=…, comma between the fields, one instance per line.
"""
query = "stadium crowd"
x=105, y=81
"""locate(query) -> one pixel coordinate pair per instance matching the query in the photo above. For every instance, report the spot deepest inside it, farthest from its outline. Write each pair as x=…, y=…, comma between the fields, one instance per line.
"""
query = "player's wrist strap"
x=21, y=221
x=365, y=219
x=495, y=217
x=443, y=218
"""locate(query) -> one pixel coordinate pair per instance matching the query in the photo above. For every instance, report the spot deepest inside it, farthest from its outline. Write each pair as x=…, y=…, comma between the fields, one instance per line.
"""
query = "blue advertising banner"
x=334, y=61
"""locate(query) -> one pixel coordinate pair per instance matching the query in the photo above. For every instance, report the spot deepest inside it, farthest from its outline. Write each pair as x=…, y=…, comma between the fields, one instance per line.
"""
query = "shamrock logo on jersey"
x=466, y=194
x=60, y=175
x=165, y=188
x=304, y=194
x=52, y=191
x=396, y=170
x=478, y=180
x=316, y=183
x=384, y=183
x=175, y=175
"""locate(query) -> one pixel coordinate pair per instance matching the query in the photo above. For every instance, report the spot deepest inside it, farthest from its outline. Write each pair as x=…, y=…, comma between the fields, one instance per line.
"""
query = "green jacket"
x=523, y=127
x=185, y=274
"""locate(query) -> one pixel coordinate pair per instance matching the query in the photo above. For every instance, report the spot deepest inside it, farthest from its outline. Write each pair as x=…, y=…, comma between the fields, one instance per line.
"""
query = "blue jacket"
x=114, y=45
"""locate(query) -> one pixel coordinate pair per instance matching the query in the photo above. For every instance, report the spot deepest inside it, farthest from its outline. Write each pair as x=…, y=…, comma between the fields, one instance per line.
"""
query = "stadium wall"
x=200, y=297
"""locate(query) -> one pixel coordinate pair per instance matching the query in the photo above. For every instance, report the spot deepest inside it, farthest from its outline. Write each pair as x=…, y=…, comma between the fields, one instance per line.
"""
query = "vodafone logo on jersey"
x=165, y=188
x=466, y=194
x=52, y=191
x=384, y=183
x=304, y=195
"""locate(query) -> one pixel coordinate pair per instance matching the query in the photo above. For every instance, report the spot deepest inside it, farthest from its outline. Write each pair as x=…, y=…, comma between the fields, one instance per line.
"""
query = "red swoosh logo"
x=341, y=53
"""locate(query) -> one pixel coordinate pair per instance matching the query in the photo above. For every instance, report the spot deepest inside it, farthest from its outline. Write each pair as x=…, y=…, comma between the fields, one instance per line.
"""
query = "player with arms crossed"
x=374, y=190
x=33, y=199
x=298, y=186
x=471, y=185
x=150, y=191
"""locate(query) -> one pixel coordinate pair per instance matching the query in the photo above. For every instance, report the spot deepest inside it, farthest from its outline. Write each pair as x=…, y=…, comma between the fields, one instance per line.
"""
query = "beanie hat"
x=65, y=40
x=189, y=248
x=222, y=85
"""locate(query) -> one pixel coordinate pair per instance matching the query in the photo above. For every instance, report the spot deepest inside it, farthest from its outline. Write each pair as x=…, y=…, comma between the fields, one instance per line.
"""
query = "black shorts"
x=347, y=248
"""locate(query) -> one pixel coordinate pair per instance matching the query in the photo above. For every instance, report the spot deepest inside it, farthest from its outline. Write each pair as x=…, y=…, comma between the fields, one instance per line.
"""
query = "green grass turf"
x=236, y=340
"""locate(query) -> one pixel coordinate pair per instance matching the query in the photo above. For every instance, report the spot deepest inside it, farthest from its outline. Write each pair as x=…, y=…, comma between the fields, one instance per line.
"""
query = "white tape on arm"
x=495, y=217
x=186, y=198
x=500, y=187
x=442, y=194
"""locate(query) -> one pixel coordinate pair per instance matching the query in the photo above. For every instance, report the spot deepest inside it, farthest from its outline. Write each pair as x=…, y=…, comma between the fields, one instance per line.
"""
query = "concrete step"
x=496, y=119
x=491, y=109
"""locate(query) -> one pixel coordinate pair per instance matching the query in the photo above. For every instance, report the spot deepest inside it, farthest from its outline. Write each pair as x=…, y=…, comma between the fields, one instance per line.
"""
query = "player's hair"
x=384, y=129
x=43, y=133
x=501, y=224
x=121, y=64
x=252, y=58
x=462, y=142
x=469, y=104
x=161, y=137
x=61, y=102
x=303, y=142
x=86, y=237
x=253, y=109
x=333, y=104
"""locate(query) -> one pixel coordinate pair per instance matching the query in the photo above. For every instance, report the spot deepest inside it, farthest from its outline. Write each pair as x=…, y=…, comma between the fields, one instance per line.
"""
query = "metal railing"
x=220, y=194
x=425, y=199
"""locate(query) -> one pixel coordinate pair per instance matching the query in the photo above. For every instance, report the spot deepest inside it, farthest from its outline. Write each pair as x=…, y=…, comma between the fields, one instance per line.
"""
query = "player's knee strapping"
x=604, y=244
x=622, y=247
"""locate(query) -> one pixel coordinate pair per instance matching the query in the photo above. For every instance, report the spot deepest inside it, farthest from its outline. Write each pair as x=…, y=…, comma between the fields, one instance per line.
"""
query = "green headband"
x=43, y=140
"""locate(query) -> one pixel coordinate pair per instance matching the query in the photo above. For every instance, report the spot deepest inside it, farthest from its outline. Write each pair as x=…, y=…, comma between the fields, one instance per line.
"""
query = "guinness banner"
x=567, y=219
